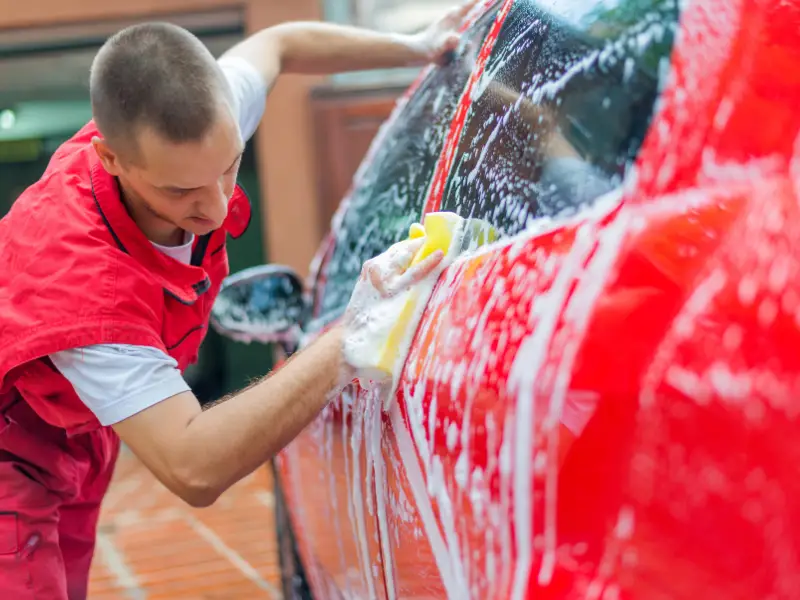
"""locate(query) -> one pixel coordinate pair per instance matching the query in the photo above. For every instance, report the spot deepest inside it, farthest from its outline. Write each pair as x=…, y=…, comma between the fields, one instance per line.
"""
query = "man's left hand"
x=441, y=38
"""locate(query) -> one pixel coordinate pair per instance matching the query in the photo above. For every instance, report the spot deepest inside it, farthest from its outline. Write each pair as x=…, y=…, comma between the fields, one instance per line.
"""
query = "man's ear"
x=107, y=156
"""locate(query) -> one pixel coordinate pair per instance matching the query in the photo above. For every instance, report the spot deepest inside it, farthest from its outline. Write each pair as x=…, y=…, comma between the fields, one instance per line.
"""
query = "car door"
x=328, y=474
x=486, y=494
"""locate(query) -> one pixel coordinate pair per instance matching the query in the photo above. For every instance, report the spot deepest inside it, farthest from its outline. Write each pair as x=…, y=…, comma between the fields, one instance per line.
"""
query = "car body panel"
x=656, y=308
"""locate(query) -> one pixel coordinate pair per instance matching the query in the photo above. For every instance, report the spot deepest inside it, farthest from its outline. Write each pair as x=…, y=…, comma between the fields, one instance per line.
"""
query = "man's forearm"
x=329, y=48
x=232, y=439
x=325, y=48
x=320, y=48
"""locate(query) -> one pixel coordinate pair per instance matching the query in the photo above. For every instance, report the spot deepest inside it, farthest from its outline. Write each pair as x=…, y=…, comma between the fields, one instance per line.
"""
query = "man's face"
x=183, y=185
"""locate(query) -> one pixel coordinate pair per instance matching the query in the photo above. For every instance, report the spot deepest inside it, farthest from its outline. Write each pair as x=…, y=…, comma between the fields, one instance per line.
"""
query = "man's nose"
x=227, y=185
x=216, y=205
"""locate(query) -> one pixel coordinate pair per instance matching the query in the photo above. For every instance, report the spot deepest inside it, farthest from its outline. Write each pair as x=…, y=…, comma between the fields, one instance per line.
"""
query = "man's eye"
x=179, y=192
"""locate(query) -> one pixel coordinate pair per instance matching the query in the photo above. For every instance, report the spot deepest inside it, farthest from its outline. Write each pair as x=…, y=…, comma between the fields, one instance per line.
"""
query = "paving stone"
x=153, y=546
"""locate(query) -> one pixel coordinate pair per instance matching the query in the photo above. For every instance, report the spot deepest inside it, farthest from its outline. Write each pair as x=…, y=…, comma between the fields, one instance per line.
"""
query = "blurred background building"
x=314, y=134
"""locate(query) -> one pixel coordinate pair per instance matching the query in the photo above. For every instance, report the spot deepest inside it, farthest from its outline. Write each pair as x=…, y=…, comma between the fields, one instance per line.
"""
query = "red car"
x=602, y=403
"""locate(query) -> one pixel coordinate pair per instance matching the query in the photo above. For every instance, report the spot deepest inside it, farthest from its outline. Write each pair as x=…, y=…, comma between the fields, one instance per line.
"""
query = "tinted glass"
x=393, y=189
x=563, y=108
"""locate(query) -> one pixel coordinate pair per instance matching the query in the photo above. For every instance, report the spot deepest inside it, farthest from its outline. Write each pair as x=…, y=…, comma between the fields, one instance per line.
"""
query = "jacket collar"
x=186, y=283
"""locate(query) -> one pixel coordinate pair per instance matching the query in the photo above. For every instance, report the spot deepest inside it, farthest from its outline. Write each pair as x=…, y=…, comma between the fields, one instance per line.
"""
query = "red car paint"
x=675, y=310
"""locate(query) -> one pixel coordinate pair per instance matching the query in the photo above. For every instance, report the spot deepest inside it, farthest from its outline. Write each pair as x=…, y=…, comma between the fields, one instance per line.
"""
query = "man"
x=109, y=266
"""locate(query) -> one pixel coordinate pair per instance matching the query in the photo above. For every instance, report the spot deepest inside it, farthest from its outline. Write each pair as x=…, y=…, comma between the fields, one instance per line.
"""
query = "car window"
x=392, y=191
x=562, y=108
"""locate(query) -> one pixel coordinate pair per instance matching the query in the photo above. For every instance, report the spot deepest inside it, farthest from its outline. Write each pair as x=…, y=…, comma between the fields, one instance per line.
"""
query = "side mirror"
x=263, y=304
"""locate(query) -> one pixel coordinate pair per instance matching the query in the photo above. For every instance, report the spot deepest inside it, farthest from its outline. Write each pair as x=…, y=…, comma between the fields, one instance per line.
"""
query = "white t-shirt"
x=117, y=381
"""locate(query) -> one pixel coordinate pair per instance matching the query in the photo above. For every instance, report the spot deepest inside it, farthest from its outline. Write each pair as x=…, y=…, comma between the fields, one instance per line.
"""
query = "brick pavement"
x=153, y=546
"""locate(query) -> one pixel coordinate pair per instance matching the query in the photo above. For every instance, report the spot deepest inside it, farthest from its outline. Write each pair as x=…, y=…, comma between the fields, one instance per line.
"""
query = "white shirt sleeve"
x=117, y=381
x=249, y=92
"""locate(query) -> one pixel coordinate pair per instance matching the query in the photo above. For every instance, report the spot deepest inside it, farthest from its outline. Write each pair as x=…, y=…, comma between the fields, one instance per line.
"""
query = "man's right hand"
x=391, y=272
x=376, y=304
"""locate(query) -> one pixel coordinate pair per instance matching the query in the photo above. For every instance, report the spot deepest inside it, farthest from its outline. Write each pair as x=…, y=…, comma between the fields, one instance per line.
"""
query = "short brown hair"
x=157, y=75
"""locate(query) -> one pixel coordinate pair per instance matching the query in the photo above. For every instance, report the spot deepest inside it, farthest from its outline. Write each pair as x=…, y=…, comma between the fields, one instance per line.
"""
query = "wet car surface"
x=601, y=403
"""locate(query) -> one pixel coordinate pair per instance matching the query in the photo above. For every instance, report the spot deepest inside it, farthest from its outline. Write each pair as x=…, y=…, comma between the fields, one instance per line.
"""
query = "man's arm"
x=198, y=455
x=325, y=48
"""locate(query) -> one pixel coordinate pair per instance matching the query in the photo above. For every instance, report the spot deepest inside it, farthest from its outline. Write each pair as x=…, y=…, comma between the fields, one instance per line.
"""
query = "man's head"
x=168, y=127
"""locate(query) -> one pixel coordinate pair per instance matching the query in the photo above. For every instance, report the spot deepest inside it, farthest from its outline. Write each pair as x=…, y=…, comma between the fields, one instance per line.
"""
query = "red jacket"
x=75, y=270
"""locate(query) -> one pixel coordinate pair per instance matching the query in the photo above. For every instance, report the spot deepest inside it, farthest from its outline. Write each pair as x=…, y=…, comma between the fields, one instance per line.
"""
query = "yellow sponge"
x=439, y=230
x=443, y=231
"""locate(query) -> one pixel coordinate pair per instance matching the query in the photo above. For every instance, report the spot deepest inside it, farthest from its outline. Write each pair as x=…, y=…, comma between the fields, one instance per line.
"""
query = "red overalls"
x=76, y=271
